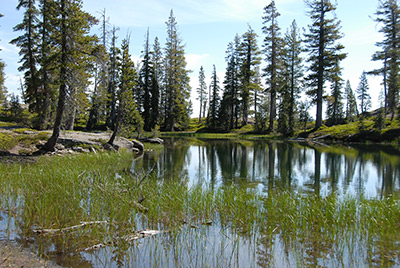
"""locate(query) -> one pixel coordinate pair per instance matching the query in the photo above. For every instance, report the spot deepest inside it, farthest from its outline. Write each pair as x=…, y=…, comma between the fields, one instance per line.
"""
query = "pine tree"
x=99, y=94
x=363, y=95
x=3, y=89
x=304, y=114
x=272, y=46
x=379, y=119
x=145, y=78
x=323, y=49
x=388, y=15
x=74, y=46
x=230, y=105
x=214, y=100
x=113, y=79
x=126, y=83
x=292, y=74
x=176, y=79
x=28, y=43
x=50, y=144
x=155, y=99
x=47, y=73
x=201, y=91
x=351, y=103
x=156, y=59
x=250, y=60
x=335, y=100
x=81, y=59
x=101, y=76
x=258, y=97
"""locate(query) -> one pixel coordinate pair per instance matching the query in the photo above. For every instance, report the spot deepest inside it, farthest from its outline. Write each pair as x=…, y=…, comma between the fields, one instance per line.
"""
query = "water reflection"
x=370, y=171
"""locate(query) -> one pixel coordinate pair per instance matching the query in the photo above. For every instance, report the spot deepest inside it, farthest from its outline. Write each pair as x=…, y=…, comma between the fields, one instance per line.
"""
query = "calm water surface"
x=368, y=170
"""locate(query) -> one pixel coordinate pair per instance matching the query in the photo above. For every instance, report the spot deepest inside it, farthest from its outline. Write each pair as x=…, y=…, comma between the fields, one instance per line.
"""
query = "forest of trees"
x=71, y=75
x=297, y=64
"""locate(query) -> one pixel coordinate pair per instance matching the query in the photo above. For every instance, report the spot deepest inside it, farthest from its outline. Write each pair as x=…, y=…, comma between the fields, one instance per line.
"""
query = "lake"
x=213, y=203
x=367, y=170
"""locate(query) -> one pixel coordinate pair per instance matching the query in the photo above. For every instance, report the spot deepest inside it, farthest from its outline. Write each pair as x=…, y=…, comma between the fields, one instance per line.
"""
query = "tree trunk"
x=117, y=124
x=51, y=143
x=320, y=84
x=69, y=124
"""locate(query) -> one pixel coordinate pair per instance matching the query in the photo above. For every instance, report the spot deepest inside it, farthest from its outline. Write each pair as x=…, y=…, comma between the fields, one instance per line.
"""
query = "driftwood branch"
x=82, y=225
x=129, y=238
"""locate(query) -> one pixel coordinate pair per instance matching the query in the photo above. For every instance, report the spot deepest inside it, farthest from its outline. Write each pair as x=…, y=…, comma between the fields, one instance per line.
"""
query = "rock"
x=138, y=145
x=40, y=144
x=77, y=149
x=125, y=143
x=153, y=140
x=29, y=132
x=110, y=147
x=60, y=146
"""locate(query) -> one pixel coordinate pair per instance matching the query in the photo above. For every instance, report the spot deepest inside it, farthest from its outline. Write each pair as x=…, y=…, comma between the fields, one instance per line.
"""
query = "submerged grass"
x=63, y=191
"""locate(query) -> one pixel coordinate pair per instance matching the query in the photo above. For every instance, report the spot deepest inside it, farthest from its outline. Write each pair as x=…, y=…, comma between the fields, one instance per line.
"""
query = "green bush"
x=7, y=141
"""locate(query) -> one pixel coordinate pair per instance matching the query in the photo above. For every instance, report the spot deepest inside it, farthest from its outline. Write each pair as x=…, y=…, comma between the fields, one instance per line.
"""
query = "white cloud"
x=127, y=13
x=8, y=48
x=12, y=84
x=195, y=61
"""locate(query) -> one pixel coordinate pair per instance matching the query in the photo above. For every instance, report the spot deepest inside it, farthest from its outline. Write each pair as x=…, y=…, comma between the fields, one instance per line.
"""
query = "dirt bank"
x=13, y=255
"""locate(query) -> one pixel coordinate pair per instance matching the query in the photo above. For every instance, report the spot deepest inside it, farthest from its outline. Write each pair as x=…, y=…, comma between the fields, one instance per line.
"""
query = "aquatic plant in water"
x=279, y=226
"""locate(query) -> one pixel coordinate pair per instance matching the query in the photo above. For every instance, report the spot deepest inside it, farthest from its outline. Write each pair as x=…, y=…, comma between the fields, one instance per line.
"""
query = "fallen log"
x=82, y=225
x=129, y=238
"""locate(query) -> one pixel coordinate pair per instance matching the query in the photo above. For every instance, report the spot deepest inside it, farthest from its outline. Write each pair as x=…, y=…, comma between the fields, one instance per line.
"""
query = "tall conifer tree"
x=201, y=91
x=113, y=79
x=126, y=84
x=3, y=89
x=323, y=49
x=230, y=105
x=388, y=15
x=176, y=79
x=214, y=100
x=363, y=94
x=28, y=43
x=145, y=78
x=75, y=46
x=351, y=103
x=292, y=74
x=156, y=59
x=272, y=46
x=335, y=111
x=250, y=59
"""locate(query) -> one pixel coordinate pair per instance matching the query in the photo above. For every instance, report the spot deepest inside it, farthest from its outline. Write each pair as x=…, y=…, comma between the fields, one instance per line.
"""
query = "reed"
x=58, y=192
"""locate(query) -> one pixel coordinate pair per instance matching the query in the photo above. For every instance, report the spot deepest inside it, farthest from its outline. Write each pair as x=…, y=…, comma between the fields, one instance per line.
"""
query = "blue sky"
x=207, y=26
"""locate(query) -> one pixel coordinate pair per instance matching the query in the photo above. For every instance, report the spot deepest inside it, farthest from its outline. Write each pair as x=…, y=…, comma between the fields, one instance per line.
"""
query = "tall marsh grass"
x=58, y=192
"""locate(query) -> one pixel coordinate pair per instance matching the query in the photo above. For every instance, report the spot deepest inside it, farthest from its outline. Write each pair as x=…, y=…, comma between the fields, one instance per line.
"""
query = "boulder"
x=138, y=145
x=59, y=146
x=110, y=147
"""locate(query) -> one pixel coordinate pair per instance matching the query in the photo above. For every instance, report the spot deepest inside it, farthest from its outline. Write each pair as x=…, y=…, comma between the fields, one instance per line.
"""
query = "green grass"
x=7, y=141
x=335, y=133
x=63, y=191
x=7, y=124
